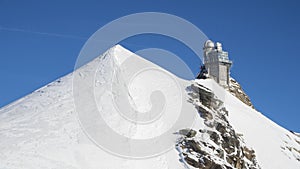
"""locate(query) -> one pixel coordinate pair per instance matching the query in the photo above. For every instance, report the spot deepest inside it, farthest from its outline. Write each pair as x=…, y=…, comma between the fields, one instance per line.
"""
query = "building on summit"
x=216, y=63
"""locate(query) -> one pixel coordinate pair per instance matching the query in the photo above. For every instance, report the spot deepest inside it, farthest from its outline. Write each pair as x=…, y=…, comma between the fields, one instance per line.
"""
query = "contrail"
x=41, y=33
x=59, y=35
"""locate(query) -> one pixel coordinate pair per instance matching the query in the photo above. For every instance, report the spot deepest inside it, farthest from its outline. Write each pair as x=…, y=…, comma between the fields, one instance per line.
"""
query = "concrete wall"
x=218, y=65
x=223, y=77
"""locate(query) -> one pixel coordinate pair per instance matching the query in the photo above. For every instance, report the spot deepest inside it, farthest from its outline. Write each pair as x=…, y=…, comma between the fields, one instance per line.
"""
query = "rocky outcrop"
x=217, y=146
x=236, y=90
x=187, y=132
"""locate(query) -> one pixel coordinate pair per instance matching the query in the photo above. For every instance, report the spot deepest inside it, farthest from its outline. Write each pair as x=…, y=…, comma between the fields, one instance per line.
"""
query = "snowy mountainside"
x=42, y=129
x=274, y=146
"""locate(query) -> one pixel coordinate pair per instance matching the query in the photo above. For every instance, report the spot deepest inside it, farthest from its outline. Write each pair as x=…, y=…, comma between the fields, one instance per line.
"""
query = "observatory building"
x=217, y=63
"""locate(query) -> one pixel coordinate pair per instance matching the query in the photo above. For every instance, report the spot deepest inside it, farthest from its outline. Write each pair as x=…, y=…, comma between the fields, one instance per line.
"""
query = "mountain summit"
x=106, y=114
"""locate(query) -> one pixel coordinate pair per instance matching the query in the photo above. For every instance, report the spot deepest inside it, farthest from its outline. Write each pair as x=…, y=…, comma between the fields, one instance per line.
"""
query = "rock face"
x=217, y=146
x=236, y=90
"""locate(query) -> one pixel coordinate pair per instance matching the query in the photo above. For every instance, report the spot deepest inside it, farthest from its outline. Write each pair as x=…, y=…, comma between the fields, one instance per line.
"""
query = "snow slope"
x=271, y=142
x=42, y=130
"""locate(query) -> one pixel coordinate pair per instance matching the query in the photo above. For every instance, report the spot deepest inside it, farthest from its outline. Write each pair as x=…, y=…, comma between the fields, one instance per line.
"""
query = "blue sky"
x=40, y=41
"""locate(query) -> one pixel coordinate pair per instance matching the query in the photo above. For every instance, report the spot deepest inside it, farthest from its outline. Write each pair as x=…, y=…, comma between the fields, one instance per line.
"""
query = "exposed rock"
x=221, y=128
x=210, y=164
x=195, y=146
x=249, y=154
x=238, y=163
x=220, y=153
x=215, y=137
x=205, y=96
x=236, y=90
x=217, y=146
x=192, y=162
x=205, y=114
x=188, y=132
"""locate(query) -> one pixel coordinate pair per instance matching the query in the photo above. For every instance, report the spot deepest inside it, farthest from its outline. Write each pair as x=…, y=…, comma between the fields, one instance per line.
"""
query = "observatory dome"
x=218, y=44
x=209, y=44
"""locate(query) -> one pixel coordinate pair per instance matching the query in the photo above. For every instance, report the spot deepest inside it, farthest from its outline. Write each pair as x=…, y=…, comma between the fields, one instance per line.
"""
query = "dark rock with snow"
x=236, y=90
x=187, y=132
x=217, y=145
x=192, y=162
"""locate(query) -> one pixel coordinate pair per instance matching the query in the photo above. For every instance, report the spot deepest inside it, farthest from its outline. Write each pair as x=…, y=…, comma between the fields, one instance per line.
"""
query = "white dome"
x=218, y=44
x=209, y=44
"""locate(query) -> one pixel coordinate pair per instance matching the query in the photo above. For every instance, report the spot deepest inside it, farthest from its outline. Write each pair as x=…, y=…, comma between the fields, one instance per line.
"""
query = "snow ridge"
x=42, y=130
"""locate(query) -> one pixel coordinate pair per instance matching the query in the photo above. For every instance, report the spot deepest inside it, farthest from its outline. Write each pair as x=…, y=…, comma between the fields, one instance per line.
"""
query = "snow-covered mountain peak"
x=96, y=116
x=120, y=53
